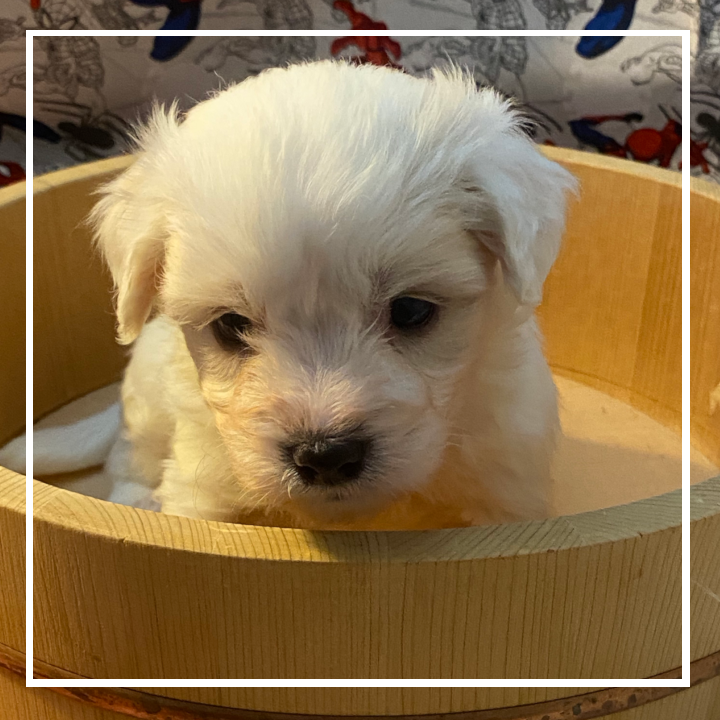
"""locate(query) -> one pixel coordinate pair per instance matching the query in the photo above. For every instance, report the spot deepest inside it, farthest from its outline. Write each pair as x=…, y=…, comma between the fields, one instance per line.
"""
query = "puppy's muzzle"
x=328, y=461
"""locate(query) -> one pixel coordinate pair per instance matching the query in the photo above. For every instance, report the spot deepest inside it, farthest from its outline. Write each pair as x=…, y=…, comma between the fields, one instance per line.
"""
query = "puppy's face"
x=325, y=236
x=330, y=353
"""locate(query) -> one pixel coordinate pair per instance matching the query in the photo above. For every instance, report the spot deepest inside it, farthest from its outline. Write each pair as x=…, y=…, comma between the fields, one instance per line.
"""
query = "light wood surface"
x=122, y=592
x=269, y=602
x=705, y=317
x=612, y=305
x=73, y=308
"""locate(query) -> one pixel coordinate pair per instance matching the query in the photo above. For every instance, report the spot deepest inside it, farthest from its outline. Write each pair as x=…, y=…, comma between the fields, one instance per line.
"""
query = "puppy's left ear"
x=520, y=213
x=130, y=223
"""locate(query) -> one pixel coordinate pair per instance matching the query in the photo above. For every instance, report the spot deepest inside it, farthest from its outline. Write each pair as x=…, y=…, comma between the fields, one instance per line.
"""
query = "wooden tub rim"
x=13, y=193
x=705, y=188
x=56, y=509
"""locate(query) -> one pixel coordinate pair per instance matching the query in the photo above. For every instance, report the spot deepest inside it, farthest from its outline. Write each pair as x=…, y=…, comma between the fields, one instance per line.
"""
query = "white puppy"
x=344, y=263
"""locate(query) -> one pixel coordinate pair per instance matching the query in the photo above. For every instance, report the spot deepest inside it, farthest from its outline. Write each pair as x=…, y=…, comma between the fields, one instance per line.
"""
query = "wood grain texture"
x=270, y=602
x=375, y=595
x=612, y=305
x=73, y=305
x=705, y=569
x=127, y=593
x=705, y=317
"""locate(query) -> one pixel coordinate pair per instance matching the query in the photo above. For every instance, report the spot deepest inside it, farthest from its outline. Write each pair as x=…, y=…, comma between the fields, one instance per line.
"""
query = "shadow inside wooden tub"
x=590, y=476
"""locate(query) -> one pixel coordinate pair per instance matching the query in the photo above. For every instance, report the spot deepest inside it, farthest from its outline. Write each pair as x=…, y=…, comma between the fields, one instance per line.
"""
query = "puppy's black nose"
x=329, y=460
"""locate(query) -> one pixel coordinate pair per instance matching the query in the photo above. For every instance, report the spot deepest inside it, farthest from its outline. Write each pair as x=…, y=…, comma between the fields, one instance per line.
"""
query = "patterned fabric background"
x=619, y=96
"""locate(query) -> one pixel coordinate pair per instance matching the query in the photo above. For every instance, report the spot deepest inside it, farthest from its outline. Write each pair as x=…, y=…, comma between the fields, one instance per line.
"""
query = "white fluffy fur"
x=306, y=199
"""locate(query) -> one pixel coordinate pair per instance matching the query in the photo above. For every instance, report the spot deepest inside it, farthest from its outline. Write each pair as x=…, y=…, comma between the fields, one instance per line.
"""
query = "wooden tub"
x=125, y=593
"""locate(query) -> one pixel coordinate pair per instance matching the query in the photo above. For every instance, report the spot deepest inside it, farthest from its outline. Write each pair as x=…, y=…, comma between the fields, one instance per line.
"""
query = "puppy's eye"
x=230, y=330
x=409, y=313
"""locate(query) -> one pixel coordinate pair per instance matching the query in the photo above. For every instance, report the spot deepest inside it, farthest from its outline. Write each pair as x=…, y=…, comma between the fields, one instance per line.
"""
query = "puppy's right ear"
x=131, y=228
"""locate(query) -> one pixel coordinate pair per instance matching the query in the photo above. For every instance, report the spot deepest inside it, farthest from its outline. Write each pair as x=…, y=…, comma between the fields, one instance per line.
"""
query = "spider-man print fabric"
x=619, y=96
